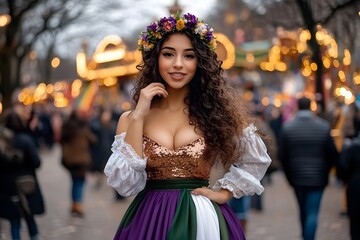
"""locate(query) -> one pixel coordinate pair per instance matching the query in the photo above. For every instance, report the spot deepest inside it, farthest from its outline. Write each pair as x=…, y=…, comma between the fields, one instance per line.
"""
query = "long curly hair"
x=213, y=107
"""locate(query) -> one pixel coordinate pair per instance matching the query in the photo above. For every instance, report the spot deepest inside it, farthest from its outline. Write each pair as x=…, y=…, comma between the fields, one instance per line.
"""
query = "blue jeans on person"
x=309, y=200
x=15, y=224
x=77, y=189
x=241, y=206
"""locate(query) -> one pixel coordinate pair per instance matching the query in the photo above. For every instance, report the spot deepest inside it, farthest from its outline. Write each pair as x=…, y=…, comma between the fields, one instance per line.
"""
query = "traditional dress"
x=164, y=207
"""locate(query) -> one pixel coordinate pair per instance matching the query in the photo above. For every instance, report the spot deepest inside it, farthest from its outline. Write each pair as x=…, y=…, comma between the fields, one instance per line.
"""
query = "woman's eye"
x=190, y=56
x=167, y=54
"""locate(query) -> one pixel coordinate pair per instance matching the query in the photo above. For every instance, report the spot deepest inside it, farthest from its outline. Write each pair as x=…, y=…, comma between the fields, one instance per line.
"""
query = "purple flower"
x=209, y=36
x=152, y=27
x=191, y=20
x=144, y=37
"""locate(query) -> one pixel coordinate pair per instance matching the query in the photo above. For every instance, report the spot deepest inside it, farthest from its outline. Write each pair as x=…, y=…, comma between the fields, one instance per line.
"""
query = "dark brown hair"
x=213, y=107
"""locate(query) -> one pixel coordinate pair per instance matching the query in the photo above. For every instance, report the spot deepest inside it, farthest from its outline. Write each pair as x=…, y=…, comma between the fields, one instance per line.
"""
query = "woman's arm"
x=245, y=174
x=125, y=168
x=133, y=123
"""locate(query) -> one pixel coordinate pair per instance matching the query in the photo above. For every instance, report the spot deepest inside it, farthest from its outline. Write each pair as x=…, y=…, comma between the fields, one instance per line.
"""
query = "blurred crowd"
x=85, y=138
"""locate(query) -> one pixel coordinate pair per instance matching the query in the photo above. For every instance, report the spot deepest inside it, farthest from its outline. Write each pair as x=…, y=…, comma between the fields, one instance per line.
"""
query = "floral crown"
x=156, y=30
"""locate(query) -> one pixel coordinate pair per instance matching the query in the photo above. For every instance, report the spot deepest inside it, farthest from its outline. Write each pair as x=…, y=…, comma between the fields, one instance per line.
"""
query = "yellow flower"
x=180, y=24
x=157, y=35
x=213, y=44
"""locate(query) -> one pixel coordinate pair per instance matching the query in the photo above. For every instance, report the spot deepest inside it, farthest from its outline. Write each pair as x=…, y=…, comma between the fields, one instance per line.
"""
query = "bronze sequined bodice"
x=184, y=162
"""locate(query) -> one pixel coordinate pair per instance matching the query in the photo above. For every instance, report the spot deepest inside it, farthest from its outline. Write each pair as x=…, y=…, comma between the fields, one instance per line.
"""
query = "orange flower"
x=180, y=24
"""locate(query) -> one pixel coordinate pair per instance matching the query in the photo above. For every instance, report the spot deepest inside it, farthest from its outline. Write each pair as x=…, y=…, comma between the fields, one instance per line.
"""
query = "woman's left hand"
x=222, y=196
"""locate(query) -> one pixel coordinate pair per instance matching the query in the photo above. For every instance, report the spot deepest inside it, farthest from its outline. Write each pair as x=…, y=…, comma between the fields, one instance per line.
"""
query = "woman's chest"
x=187, y=161
x=170, y=130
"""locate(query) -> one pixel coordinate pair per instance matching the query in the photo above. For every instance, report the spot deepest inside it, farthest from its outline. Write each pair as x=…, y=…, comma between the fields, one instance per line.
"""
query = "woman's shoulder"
x=123, y=122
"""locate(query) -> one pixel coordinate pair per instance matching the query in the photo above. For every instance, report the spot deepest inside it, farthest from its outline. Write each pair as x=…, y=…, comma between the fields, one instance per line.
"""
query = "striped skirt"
x=166, y=209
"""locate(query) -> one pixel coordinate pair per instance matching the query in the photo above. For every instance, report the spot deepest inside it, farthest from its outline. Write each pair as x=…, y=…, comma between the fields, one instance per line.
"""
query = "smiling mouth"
x=177, y=75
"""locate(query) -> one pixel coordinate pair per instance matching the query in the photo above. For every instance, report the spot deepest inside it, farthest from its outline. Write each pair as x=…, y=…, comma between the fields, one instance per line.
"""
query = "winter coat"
x=307, y=151
x=350, y=173
x=101, y=150
x=76, y=142
x=9, y=204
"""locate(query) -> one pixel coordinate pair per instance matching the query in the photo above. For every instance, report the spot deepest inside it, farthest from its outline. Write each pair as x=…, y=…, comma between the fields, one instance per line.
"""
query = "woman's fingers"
x=220, y=197
x=146, y=96
x=152, y=90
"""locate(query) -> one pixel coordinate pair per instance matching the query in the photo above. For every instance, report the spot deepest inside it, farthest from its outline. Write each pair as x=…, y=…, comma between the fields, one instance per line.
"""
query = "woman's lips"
x=177, y=76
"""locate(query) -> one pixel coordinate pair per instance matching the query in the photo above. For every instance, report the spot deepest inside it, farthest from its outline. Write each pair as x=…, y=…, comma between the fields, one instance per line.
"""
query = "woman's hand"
x=222, y=196
x=146, y=95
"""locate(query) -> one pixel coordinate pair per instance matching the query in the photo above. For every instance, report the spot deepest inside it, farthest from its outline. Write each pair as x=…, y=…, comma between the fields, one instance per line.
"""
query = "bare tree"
x=29, y=21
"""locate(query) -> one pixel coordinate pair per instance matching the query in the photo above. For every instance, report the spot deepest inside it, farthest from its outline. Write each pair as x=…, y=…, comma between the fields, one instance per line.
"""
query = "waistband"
x=177, y=183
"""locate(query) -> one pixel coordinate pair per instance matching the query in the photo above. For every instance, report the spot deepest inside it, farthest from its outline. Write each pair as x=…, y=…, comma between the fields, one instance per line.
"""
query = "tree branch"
x=336, y=9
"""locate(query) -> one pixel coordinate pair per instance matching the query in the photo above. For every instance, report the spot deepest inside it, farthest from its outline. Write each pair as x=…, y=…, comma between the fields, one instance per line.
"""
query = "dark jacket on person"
x=9, y=197
x=101, y=150
x=349, y=167
x=307, y=151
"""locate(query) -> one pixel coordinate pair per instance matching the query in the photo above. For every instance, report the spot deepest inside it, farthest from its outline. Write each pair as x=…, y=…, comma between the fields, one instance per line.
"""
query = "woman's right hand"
x=146, y=95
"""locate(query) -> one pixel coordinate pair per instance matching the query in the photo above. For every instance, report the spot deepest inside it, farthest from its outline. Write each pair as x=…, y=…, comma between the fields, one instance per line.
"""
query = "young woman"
x=76, y=141
x=16, y=204
x=185, y=124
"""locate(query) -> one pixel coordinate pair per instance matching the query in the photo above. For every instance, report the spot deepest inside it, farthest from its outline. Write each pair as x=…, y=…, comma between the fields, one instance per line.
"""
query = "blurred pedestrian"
x=76, y=140
x=349, y=171
x=104, y=128
x=46, y=128
x=270, y=141
x=20, y=194
x=307, y=153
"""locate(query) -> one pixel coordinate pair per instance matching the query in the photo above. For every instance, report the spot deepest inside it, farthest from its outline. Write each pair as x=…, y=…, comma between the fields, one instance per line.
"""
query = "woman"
x=76, y=140
x=14, y=203
x=185, y=122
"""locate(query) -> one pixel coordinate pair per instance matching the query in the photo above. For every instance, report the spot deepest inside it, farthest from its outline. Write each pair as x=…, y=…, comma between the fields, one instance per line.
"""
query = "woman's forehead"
x=178, y=40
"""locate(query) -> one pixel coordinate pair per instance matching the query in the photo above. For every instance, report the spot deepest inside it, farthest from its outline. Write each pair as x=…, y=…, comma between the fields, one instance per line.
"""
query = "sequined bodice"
x=184, y=162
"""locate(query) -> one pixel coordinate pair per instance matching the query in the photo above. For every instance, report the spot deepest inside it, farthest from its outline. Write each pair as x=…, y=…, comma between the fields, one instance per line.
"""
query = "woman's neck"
x=175, y=100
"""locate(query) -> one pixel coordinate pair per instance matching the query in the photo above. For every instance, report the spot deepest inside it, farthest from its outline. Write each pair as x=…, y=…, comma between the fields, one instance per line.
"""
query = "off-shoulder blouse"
x=127, y=172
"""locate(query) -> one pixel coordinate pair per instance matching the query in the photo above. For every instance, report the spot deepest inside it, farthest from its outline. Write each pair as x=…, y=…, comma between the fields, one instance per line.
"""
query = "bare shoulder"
x=123, y=122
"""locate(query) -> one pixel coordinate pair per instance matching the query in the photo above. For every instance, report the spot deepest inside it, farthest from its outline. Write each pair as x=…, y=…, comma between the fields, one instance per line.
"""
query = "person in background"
x=241, y=207
x=76, y=141
x=349, y=172
x=186, y=122
x=16, y=205
x=307, y=153
x=104, y=128
x=270, y=141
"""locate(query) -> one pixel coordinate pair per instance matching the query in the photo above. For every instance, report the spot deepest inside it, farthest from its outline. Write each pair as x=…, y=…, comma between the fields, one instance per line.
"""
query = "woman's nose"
x=178, y=62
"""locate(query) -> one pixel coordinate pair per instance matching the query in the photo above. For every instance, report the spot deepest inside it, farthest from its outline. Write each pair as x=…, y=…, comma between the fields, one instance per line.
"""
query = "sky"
x=133, y=17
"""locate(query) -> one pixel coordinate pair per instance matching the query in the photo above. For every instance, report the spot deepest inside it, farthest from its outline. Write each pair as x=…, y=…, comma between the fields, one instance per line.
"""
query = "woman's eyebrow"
x=171, y=48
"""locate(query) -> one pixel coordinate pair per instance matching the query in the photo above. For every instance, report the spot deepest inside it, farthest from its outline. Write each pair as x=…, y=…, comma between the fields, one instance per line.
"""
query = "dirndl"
x=166, y=209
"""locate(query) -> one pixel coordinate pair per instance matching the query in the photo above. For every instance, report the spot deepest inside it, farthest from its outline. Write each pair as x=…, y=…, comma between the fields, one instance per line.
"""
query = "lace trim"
x=133, y=159
x=226, y=184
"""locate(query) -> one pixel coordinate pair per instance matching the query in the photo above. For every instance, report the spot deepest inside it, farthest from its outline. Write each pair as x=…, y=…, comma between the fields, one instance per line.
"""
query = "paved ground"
x=278, y=221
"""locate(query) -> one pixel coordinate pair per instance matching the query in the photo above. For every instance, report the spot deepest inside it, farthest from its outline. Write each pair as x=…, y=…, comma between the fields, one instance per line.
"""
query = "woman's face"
x=177, y=61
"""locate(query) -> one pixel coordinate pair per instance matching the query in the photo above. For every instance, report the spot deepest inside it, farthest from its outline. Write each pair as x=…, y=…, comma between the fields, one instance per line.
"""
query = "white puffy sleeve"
x=245, y=174
x=124, y=169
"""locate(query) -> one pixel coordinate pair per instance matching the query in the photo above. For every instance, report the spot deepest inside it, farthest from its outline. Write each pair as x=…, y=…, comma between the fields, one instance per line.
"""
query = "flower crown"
x=156, y=30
